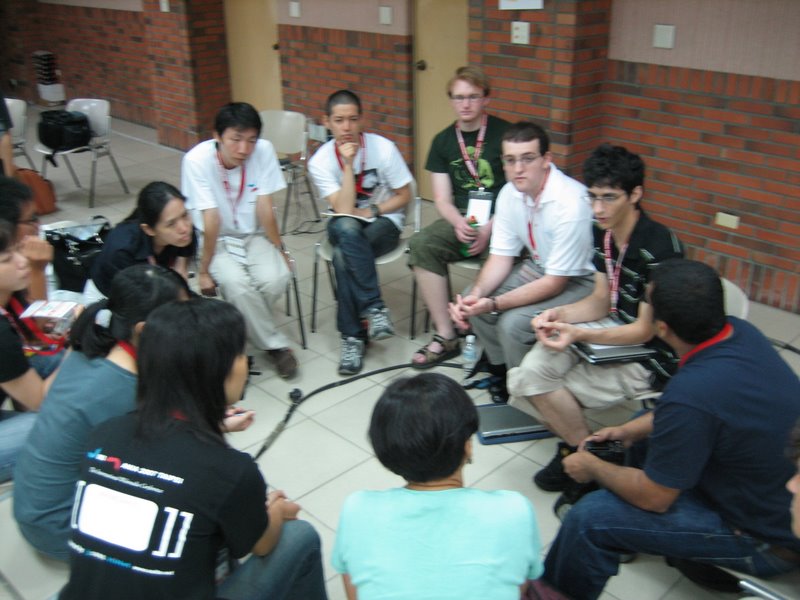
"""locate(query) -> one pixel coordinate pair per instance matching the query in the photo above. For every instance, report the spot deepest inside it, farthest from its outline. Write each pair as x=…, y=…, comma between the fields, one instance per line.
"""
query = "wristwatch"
x=376, y=211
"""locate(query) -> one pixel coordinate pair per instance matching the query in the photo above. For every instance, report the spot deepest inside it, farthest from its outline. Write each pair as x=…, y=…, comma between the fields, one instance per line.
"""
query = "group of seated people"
x=117, y=437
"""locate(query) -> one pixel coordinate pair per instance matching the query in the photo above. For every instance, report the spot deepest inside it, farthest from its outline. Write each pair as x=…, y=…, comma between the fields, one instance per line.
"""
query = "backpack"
x=43, y=194
x=62, y=130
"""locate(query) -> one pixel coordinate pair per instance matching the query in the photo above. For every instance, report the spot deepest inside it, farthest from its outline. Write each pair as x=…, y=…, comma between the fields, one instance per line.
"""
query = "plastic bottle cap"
x=470, y=339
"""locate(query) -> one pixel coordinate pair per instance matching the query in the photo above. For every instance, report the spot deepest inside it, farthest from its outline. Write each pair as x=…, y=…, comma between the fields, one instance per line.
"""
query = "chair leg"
x=116, y=168
x=299, y=311
x=413, y=327
x=27, y=156
x=94, y=179
x=332, y=279
x=311, y=198
x=314, y=289
x=71, y=171
x=289, y=191
x=288, y=301
x=43, y=170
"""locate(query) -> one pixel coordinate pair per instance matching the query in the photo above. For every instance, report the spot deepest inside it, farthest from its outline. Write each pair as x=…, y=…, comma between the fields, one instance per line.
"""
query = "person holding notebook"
x=366, y=182
x=552, y=382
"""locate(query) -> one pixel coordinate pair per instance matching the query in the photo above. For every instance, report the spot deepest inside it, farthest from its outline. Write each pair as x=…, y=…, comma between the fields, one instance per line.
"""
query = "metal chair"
x=18, y=111
x=288, y=133
x=323, y=250
x=99, y=114
x=781, y=587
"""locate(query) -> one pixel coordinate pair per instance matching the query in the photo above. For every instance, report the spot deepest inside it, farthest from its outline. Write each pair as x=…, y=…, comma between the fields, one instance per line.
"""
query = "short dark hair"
x=151, y=202
x=239, y=116
x=614, y=166
x=342, y=97
x=526, y=131
x=186, y=352
x=687, y=295
x=135, y=292
x=472, y=75
x=13, y=194
x=420, y=425
x=8, y=234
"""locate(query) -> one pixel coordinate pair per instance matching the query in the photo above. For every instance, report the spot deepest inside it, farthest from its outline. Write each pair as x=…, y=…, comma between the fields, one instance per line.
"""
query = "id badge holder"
x=479, y=209
x=235, y=248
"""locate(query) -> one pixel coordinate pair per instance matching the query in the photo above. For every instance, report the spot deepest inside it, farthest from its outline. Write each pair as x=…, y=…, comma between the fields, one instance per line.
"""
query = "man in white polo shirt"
x=228, y=182
x=542, y=211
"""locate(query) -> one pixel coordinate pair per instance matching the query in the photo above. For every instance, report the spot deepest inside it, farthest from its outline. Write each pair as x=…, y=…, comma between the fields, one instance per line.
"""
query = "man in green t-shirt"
x=464, y=158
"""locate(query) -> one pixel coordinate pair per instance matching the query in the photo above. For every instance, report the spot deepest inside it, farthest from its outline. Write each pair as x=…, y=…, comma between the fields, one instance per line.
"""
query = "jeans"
x=292, y=571
x=601, y=526
x=356, y=245
x=14, y=430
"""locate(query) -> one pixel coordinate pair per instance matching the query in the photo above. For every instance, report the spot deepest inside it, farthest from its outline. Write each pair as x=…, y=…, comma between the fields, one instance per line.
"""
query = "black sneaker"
x=553, y=478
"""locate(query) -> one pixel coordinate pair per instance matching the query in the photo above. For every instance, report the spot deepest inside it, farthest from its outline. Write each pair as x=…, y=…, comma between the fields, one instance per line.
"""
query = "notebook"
x=502, y=424
x=598, y=354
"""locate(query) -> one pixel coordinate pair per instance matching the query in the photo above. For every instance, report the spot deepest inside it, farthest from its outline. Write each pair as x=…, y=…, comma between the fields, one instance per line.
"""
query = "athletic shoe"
x=380, y=325
x=352, y=358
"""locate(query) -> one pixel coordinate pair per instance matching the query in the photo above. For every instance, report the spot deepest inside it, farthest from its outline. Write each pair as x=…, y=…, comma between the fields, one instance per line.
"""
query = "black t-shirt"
x=151, y=515
x=13, y=362
x=650, y=244
x=445, y=157
x=128, y=245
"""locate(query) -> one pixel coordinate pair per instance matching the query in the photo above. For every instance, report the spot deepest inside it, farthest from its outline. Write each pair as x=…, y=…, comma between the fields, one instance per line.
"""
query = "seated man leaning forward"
x=627, y=246
x=228, y=182
x=365, y=180
x=464, y=161
x=542, y=211
x=712, y=488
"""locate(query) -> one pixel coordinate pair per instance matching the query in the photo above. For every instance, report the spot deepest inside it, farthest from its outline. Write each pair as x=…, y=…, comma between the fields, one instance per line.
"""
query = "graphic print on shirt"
x=462, y=177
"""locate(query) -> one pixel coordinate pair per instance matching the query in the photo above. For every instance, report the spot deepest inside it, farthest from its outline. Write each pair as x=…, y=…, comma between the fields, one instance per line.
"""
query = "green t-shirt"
x=445, y=157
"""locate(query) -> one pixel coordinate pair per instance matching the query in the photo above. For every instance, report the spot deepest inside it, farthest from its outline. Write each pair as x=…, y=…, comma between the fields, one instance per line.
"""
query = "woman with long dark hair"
x=162, y=496
x=158, y=231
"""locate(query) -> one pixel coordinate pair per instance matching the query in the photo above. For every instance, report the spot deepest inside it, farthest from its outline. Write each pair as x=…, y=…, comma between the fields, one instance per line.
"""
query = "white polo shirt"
x=561, y=226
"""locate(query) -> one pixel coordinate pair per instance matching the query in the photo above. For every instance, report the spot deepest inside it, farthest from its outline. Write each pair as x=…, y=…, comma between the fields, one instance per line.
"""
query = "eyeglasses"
x=525, y=159
x=471, y=98
x=605, y=198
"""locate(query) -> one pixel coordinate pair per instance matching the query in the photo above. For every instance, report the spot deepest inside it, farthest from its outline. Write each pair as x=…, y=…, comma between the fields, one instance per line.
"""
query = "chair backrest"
x=736, y=302
x=18, y=111
x=98, y=111
x=285, y=129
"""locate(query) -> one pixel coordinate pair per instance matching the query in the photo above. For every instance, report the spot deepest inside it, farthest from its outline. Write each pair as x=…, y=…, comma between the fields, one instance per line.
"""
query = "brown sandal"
x=450, y=348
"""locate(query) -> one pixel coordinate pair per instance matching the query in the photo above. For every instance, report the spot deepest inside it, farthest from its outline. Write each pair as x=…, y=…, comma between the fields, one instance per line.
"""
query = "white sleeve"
x=194, y=183
x=326, y=179
x=505, y=242
x=397, y=173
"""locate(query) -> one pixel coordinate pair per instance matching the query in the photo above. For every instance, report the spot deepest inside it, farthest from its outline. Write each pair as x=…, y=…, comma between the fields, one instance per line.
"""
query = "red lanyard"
x=530, y=218
x=51, y=345
x=723, y=334
x=234, y=202
x=613, y=270
x=472, y=163
x=360, y=176
x=128, y=348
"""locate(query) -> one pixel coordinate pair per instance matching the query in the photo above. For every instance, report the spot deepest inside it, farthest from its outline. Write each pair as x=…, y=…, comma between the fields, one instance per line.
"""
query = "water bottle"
x=469, y=356
x=464, y=250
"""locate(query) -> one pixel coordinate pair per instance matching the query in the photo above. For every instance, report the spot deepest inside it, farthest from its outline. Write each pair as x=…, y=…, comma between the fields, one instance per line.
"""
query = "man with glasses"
x=464, y=160
x=544, y=214
x=628, y=245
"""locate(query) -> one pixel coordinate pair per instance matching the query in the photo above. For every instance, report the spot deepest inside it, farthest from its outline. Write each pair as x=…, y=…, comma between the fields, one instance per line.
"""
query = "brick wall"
x=166, y=70
x=377, y=67
x=712, y=141
x=718, y=142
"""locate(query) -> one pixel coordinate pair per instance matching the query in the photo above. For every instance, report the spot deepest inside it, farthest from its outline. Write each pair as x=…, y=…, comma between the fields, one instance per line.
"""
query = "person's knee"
x=302, y=536
x=342, y=228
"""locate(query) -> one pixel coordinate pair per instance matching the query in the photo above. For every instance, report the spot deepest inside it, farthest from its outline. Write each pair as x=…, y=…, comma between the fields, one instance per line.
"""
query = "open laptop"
x=598, y=354
x=501, y=423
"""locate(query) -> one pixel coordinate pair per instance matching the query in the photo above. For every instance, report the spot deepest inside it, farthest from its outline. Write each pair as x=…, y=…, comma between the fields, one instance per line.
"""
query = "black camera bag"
x=62, y=130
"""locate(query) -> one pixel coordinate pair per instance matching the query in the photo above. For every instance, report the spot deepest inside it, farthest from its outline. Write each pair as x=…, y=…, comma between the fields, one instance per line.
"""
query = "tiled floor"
x=323, y=455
